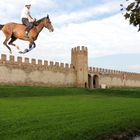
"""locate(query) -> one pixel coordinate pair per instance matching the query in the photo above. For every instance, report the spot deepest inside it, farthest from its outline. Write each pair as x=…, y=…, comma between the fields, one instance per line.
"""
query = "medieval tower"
x=79, y=60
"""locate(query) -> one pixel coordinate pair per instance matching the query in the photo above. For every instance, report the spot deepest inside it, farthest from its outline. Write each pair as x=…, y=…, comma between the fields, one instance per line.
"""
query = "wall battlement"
x=79, y=50
x=110, y=71
x=34, y=63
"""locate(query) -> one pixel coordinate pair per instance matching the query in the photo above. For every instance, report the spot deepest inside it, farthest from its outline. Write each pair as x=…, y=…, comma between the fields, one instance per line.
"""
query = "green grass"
x=39, y=113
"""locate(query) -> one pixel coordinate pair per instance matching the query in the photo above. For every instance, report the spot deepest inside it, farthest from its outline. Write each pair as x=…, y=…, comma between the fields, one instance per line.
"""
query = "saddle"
x=32, y=24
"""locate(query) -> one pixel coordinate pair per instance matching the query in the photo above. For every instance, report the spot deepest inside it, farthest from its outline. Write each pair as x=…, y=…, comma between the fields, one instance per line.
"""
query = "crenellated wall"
x=113, y=78
x=18, y=71
x=38, y=72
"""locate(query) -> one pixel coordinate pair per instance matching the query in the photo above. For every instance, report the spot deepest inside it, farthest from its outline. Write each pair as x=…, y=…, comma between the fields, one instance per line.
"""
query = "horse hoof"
x=18, y=47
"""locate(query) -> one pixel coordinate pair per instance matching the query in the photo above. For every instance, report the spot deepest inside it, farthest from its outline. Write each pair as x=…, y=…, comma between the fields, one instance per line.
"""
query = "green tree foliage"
x=132, y=12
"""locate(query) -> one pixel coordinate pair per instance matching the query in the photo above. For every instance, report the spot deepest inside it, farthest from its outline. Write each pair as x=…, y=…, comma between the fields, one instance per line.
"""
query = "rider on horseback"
x=27, y=19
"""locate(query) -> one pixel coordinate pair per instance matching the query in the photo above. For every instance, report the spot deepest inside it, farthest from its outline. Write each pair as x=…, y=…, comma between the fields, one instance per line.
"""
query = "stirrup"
x=26, y=34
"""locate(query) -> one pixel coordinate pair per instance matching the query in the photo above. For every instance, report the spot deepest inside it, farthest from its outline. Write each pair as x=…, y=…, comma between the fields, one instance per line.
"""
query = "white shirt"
x=25, y=13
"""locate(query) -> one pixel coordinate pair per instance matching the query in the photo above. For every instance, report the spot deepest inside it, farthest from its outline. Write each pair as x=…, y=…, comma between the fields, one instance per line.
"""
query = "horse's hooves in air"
x=25, y=51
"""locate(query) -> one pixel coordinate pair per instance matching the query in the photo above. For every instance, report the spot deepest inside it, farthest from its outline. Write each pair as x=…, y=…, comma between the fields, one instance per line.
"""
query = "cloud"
x=103, y=37
x=88, y=13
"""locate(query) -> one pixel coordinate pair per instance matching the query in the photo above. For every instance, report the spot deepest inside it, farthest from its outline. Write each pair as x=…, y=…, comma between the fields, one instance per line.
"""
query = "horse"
x=14, y=31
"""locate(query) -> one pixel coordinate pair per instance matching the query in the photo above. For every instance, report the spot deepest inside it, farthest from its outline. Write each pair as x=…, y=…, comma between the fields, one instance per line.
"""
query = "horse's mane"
x=40, y=20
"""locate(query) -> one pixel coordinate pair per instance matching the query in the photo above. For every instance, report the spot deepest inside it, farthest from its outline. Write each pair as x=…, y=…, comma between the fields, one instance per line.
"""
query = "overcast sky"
x=97, y=24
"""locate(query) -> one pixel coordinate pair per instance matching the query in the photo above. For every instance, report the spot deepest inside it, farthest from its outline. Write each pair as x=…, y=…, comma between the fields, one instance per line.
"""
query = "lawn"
x=39, y=113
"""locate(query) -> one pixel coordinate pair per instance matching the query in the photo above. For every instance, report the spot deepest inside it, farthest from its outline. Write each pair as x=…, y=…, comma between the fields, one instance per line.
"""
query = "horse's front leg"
x=27, y=50
x=32, y=45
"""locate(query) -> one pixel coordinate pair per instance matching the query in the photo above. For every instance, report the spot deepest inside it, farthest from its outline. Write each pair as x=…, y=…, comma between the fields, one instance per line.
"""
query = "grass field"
x=35, y=113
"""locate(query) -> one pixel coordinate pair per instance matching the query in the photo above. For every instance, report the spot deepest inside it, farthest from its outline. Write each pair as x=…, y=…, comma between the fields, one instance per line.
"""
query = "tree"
x=132, y=12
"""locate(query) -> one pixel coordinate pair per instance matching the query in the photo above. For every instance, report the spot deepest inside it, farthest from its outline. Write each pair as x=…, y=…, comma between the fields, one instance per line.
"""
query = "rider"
x=27, y=18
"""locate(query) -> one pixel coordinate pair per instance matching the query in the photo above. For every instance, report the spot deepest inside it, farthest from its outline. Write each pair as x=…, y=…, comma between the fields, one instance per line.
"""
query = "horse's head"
x=48, y=24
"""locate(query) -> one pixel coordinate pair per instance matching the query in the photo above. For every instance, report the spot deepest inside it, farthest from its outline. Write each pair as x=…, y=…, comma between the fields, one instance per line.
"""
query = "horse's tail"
x=1, y=26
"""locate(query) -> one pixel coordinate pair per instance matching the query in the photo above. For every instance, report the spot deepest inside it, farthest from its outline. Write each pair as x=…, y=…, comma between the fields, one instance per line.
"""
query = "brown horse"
x=15, y=31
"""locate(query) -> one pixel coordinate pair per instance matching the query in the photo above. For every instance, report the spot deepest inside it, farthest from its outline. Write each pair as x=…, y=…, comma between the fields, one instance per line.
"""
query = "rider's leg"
x=28, y=27
x=26, y=22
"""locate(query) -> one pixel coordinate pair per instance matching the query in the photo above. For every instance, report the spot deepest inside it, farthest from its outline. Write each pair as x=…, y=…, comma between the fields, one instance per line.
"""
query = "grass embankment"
x=38, y=113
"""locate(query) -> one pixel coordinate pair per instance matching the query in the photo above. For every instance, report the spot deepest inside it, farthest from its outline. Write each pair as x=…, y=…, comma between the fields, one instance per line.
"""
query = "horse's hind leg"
x=8, y=35
x=5, y=43
x=11, y=42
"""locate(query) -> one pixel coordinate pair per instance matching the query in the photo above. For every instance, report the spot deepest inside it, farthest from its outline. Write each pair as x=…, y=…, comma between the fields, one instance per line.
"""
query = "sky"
x=96, y=24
